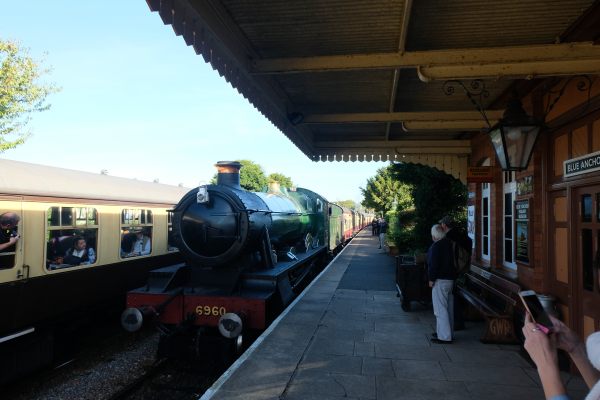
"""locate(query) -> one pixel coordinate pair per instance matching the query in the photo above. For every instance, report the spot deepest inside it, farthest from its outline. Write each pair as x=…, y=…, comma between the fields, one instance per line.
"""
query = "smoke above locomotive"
x=224, y=225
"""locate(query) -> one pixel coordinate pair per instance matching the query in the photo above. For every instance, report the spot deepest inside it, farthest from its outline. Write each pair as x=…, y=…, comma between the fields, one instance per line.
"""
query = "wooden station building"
x=423, y=81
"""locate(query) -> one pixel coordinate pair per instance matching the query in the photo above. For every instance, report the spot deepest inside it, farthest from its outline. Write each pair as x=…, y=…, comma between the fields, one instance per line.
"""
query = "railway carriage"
x=43, y=294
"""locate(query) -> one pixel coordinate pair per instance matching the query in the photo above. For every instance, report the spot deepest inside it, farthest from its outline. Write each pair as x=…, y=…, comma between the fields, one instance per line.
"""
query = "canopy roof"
x=364, y=80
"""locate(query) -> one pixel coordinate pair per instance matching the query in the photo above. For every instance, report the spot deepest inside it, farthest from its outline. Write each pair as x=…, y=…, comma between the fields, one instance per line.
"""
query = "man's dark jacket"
x=440, y=260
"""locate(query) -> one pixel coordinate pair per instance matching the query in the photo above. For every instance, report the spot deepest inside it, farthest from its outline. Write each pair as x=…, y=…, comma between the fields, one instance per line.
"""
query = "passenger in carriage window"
x=79, y=253
x=9, y=234
x=135, y=243
x=143, y=244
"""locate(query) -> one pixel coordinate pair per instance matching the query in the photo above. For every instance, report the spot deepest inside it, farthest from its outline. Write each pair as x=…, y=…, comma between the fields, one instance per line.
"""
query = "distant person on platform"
x=382, y=227
x=440, y=269
x=375, y=226
x=461, y=238
x=9, y=234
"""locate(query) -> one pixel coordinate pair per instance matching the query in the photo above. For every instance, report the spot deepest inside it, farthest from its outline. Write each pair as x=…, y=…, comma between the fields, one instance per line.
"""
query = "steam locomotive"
x=247, y=255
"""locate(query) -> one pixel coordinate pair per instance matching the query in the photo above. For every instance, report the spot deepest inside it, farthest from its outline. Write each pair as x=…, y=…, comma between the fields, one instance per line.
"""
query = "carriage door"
x=587, y=257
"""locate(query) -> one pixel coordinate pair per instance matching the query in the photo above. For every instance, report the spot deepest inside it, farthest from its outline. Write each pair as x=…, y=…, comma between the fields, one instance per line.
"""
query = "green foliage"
x=384, y=191
x=347, y=203
x=435, y=194
x=284, y=181
x=20, y=93
x=252, y=176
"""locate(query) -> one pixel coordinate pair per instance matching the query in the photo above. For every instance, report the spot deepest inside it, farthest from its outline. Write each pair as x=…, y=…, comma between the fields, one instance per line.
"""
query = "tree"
x=435, y=194
x=252, y=176
x=20, y=93
x=384, y=192
x=346, y=203
x=284, y=181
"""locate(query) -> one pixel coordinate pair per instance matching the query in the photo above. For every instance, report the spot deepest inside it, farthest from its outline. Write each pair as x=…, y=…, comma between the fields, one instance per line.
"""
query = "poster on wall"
x=471, y=223
x=522, y=242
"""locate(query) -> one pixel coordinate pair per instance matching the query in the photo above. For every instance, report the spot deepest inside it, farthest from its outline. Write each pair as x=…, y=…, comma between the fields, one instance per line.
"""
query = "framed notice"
x=522, y=244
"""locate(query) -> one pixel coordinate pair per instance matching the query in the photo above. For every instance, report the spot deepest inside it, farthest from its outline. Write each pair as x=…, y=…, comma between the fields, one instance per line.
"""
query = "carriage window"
x=171, y=240
x=71, y=237
x=8, y=253
x=136, y=232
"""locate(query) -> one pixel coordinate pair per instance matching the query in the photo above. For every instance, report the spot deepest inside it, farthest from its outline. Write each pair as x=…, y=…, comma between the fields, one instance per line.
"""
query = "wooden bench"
x=495, y=297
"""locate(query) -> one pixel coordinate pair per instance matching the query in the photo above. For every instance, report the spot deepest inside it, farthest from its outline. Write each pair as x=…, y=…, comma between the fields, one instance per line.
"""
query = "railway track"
x=169, y=380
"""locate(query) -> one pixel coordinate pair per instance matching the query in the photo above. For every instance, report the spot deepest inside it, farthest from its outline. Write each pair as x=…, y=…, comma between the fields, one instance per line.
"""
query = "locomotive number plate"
x=214, y=311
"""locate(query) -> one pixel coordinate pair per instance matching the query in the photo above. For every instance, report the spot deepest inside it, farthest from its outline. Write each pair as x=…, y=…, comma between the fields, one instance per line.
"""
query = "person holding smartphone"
x=542, y=349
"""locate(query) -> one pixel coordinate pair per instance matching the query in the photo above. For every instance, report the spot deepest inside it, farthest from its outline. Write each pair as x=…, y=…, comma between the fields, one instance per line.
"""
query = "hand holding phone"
x=536, y=310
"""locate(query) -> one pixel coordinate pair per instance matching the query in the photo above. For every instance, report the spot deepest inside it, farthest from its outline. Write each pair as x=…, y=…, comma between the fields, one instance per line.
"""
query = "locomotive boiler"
x=247, y=254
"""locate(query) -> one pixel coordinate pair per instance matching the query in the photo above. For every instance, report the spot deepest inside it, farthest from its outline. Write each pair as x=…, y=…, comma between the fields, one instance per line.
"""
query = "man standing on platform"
x=382, y=231
x=462, y=240
x=440, y=268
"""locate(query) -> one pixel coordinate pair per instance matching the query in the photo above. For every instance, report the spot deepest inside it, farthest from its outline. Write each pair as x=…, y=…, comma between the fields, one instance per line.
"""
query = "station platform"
x=347, y=337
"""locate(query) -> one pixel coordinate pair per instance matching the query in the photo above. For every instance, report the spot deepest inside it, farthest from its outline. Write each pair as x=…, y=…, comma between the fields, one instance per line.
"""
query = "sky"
x=139, y=103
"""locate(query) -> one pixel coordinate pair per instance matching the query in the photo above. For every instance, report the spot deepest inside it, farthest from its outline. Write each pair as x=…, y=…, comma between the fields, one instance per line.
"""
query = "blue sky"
x=136, y=101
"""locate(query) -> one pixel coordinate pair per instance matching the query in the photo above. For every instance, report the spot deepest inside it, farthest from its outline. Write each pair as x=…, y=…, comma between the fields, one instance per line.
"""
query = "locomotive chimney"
x=274, y=187
x=228, y=174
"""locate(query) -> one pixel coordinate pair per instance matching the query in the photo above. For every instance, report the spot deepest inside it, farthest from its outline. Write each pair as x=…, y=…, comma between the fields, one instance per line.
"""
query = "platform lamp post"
x=514, y=136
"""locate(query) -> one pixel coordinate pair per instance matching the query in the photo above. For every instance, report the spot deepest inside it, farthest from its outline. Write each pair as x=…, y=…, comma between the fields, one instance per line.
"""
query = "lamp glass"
x=496, y=138
x=513, y=144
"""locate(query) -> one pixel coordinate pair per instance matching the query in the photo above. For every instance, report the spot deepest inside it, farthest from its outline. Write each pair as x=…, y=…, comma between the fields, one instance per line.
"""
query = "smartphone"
x=534, y=308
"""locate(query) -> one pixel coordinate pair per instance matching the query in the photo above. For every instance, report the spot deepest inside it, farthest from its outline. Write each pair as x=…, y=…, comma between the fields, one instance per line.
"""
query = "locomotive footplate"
x=260, y=296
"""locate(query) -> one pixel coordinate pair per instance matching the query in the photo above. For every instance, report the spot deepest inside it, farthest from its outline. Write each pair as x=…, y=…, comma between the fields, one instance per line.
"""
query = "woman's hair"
x=437, y=232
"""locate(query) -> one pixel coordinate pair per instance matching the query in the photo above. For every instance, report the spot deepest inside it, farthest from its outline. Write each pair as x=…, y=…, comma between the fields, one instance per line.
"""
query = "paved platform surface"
x=347, y=337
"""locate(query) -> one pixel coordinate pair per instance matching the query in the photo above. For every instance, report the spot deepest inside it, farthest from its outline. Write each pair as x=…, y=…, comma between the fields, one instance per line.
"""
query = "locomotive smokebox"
x=228, y=174
x=214, y=225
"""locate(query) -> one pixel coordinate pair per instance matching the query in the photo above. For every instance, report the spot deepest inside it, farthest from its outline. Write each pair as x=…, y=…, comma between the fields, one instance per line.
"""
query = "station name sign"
x=582, y=165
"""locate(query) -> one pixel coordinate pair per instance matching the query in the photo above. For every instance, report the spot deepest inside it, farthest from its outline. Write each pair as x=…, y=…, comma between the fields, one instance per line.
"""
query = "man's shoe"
x=438, y=341
x=434, y=335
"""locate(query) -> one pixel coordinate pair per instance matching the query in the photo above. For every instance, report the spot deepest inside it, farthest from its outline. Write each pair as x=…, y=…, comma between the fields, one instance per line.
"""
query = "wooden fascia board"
x=399, y=149
x=536, y=54
x=400, y=117
x=405, y=144
x=457, y=125
x=516, y=70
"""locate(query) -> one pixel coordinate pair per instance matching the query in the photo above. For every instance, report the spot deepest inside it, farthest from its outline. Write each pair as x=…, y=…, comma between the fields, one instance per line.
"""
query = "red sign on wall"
x=480, y=174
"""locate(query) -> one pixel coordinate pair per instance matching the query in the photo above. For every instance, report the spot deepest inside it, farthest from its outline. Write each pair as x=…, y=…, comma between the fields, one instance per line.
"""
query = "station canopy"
x=356, y=80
